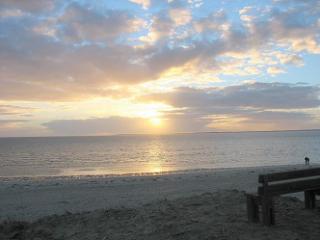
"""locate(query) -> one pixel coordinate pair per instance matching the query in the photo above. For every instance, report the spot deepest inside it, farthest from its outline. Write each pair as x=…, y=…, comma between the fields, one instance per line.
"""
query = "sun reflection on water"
x=153, y=162
x=156, y=157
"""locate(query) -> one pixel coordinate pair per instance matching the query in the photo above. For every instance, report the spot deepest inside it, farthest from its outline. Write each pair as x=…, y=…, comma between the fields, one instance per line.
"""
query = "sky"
x=80, y=67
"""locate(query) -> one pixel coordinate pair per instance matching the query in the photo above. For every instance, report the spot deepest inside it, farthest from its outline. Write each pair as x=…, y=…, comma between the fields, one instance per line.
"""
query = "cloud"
x=274, y=70
x=64, y=51
x=216, y=22
x=254, y=95
x=294, y=27
x=80, y=23
x=7, y=13
x=245, y=10
x=8, y=123
x=265, y=120
x=161, y=27
x=185, y=121
x=78, y=51
x=196, y=3
x=144, y=3
x=99, y=126
x=180, y=16
x=250, y=106
x=53, y=71
x=20, y=128
x=124, y=125
x=32, y=6
x=12, y=110
x=291, y=59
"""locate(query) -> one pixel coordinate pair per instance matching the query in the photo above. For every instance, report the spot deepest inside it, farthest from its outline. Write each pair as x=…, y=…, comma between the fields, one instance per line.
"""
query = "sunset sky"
x=94, y=67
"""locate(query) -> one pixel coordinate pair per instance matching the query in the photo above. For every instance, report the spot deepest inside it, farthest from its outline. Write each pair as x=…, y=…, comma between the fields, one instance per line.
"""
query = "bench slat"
x=290, y=187
x=272, y=177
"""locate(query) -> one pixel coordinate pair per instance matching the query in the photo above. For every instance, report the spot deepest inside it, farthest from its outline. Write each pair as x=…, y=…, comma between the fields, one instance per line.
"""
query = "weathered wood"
x=268, y=216
x=307, y=181
x=290, y=187
x=310, y=199
x=281, y=176
x=253, y=208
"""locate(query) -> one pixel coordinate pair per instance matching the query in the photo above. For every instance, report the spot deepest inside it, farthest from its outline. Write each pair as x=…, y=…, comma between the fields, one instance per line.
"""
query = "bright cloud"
x=180, y=16
x=144, y=3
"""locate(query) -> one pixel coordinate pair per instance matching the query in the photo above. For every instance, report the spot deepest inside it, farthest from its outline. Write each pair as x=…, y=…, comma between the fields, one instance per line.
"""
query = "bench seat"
x=276, y=184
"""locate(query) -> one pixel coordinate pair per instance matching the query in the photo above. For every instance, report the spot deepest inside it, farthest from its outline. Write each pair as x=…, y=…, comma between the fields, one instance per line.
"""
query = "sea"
x=154, y=154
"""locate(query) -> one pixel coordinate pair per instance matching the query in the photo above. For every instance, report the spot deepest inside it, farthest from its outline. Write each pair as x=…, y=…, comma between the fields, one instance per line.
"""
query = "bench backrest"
x=272, y=185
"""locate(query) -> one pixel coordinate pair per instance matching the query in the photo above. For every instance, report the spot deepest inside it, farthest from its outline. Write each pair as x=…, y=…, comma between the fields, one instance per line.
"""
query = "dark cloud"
x=255, y=95
x=32, y=6
x=283, y=120
x=124, y=125
x=79, y=23
x=264, y=106
x=110, y=125
x=264, y=120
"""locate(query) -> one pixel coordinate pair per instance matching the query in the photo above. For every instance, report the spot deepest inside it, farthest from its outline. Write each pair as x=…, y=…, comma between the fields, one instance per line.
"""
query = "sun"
x=155, y=122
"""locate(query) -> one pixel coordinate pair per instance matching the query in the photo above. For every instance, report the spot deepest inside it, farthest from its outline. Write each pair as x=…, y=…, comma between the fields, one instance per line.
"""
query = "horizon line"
x=164, y=134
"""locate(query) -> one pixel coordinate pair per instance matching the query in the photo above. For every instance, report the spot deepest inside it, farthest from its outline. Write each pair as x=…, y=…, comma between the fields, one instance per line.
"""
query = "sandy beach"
x=32, y=198
x=179, y=205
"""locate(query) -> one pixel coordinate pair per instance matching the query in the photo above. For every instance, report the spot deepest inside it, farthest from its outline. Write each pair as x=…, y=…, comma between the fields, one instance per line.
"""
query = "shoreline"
x=142, y=174
x=31, y=199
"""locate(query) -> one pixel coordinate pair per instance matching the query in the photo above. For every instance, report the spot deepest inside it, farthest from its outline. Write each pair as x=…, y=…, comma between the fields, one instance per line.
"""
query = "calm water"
x=140, y=154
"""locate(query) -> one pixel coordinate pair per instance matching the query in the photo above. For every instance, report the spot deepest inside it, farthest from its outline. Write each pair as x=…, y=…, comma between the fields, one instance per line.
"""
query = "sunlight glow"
x=156, y=122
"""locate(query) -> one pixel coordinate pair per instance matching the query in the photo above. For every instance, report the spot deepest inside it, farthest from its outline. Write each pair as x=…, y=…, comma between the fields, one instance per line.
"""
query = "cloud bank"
x=193, y=55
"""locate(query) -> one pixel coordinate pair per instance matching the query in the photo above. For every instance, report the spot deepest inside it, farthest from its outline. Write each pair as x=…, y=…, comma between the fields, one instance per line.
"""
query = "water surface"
x=56, y=156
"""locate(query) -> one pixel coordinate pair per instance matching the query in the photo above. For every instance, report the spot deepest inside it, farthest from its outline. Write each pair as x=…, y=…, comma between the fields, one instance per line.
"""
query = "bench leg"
x=309, y=199
x=268, y=211
x=252, y=208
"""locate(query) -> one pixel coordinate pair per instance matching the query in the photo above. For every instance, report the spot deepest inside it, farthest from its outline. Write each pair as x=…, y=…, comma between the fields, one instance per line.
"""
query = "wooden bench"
x=276, y=184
